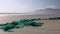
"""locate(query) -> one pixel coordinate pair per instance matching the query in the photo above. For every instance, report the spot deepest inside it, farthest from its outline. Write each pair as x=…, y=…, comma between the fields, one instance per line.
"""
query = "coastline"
x=50, y=26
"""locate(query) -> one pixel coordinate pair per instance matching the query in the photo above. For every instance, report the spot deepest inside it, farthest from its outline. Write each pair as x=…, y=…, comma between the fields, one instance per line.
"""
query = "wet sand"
x=50, y=26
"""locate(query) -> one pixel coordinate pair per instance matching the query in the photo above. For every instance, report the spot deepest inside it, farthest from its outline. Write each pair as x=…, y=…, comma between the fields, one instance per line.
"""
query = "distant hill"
x=47, y=11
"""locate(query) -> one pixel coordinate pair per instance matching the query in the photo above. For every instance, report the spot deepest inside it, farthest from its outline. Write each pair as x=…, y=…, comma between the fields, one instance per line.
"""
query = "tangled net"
x=8, y=27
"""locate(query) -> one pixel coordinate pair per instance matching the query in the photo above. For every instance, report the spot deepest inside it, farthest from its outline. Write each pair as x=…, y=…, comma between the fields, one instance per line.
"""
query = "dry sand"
x=50, y=26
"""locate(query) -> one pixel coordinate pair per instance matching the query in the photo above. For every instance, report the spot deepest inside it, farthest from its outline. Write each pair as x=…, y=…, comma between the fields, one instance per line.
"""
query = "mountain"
x=47, y=11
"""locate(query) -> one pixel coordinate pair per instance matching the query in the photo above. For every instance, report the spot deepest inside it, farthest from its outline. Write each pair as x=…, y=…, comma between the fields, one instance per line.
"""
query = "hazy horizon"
x=27, y=6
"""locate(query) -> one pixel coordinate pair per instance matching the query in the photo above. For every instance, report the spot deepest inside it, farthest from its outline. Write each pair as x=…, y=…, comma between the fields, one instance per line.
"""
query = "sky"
x=25, y=6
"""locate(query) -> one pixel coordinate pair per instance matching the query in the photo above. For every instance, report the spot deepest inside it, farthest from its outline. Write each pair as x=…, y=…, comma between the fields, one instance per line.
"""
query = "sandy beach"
x=50, y=26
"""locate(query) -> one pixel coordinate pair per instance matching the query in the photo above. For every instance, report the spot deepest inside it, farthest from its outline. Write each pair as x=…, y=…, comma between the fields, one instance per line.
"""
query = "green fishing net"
x=8, y=27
